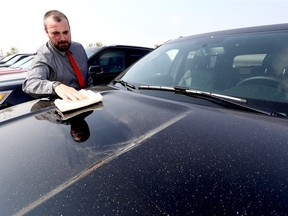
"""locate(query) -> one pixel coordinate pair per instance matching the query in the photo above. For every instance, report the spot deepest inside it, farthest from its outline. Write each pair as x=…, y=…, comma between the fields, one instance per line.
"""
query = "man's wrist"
x=55, y=84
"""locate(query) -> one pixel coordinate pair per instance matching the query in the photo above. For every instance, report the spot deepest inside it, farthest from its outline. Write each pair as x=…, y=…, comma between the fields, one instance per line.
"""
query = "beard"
x=62, y=46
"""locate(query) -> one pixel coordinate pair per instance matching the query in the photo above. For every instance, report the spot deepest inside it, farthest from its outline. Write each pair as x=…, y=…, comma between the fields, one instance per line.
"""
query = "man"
x=52, y=73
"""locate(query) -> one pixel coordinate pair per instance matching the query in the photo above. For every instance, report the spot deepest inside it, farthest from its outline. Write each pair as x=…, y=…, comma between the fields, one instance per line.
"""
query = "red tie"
x=76, y=69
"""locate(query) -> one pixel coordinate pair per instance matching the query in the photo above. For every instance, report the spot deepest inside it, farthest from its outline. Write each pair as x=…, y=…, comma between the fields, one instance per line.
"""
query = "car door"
x=107, y=65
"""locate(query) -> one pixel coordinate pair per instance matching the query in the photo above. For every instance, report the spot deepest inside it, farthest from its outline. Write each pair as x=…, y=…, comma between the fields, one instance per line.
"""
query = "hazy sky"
x=133, y=22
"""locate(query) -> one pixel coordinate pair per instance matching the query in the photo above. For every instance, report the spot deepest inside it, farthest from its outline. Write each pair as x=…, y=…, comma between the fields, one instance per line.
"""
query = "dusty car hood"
x=142, y=155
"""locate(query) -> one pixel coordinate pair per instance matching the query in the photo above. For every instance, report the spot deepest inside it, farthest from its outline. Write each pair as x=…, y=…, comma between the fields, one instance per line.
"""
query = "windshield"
x=91, y=50
x=27, y=64
x=248, y=66
x=22, y=62
x=7, y=58
x=14, y=60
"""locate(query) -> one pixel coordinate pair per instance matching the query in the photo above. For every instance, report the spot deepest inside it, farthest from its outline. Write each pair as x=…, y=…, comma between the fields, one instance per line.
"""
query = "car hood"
x=141, y=155
x=12, y=74
x=9, y=80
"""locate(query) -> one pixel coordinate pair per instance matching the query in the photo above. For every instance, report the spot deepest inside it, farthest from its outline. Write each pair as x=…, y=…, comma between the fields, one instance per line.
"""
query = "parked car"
x=11, y=88
x=11, y=80
x=14, y=58
x=24, y=63
x=5, y=59
x=196, y=127
x=107, y=62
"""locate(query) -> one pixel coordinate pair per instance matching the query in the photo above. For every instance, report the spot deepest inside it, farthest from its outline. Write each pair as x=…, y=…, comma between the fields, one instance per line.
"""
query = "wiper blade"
x=129, y=86
x=235, y=101
x=183, y=90
x=211, y=94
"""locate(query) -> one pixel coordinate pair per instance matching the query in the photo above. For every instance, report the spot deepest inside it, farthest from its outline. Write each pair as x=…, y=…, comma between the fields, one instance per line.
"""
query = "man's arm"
x=37, y=83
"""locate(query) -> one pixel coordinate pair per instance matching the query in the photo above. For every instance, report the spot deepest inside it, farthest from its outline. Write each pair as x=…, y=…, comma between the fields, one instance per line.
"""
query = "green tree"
x=98, y=44
x=13, y=50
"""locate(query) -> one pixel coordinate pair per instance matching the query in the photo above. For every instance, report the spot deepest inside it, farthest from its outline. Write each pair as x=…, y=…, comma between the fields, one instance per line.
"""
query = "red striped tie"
x=76, y=69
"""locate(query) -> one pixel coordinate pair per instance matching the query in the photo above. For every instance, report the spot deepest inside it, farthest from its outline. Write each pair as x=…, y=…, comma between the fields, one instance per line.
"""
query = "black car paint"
x=172, y=159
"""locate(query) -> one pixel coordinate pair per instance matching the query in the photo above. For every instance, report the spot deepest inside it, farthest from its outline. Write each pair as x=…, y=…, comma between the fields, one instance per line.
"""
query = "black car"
x=196, y=127
x=107, y=62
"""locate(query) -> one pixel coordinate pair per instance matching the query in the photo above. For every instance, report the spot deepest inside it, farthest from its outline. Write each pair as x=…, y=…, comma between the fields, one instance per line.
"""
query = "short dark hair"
x=56, y=15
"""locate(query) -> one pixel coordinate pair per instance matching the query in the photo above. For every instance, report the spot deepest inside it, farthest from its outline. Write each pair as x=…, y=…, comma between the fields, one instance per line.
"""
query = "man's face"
x=58, y=33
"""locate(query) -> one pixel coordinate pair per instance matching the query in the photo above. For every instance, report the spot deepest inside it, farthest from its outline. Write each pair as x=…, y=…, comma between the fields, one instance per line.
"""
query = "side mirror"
x=95, y=69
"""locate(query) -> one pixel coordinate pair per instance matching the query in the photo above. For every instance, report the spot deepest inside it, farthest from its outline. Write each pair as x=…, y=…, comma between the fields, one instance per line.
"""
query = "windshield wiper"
x=127, y=85
x=218, y=98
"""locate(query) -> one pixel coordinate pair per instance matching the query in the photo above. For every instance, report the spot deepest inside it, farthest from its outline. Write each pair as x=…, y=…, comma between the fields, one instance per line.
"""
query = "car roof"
x=91, y=51
x=122, y=45
x=95, y=48
x=244, y=30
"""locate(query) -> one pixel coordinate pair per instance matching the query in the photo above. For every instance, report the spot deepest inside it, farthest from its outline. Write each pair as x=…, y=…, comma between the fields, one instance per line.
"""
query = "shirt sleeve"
x=38, y=81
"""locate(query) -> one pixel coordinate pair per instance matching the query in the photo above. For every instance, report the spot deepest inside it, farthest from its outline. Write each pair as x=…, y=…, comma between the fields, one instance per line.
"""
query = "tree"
x=13, y=50
x=98, y=44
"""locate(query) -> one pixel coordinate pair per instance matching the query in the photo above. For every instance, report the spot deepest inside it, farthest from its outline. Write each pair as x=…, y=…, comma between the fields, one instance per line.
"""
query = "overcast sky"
x=132, y=22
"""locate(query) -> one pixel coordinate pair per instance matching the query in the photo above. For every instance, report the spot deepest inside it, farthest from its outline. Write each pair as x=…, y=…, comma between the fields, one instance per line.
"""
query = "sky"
x=131, y=22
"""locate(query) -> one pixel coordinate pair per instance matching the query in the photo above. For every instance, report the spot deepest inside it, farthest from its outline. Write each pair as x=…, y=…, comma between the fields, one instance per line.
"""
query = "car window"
x=22, y=61
x=91, y=50
x=153, y=70
x=7, y=58
x=134, y=55
x=111, y=61
x=27, y=65
x=15, y=59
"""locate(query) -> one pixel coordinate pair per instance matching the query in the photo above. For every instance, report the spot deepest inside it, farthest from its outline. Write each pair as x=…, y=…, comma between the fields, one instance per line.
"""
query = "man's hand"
x=68, y=93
